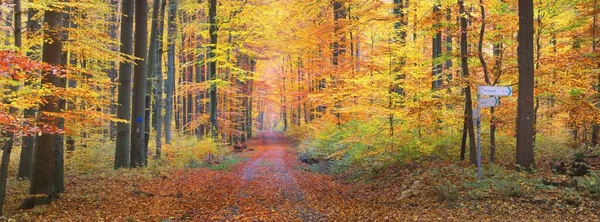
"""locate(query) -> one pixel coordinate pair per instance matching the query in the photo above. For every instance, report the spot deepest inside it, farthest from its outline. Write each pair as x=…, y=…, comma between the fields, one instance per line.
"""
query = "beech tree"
x=123, y=142
x=43, y=172
x=138, y=138
x=525, y=111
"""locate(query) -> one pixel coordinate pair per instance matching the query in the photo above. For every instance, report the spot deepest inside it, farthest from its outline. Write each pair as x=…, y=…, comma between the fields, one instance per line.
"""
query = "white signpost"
x=494, y=90
x=493, y=100
x=488, y=102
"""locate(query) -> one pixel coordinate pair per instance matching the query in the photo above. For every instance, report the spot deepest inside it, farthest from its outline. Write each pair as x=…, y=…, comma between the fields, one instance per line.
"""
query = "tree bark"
x=159, y=81
x=150, y=62
x=9, y=136
x=123, y=142
x=138, y=151
x=212, y=66
x=464, y=58
x=42, y=176
x=170, y=83
x=437, y=48
x=525, y=112
x=112, y=73
x=28, y=141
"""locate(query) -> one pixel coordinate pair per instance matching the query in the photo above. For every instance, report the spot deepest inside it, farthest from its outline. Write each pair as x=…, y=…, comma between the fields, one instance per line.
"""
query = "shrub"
x=590, y=184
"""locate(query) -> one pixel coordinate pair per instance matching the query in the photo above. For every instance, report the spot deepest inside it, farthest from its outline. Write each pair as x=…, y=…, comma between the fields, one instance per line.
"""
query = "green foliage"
x=446, y=191
x=590, y=184
x=192, y=152
x=571, y=196
x=355, y=146
x=227, y=163
x=496, y=182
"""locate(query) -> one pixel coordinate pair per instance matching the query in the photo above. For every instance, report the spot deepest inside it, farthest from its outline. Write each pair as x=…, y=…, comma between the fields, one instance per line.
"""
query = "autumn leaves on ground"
x=271, y=184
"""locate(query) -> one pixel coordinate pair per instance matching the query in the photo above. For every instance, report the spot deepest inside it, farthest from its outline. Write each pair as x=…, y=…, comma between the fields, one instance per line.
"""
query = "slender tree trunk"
x=465, y=72
x=9, y=135
x=149, y=116
x=170, y=83
x=212, y=66
x=112, y=73
x=28, y=141
x=448, y=65
x=138, y=151
x=595, y=127
x=437, y=48
x=43, y=174
x=525, y=112
x=486, y=76
x=123, y=142
x=158, y=73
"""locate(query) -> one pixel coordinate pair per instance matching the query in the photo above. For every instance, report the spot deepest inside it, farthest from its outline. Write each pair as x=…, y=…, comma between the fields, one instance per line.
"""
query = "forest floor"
x=273, y=185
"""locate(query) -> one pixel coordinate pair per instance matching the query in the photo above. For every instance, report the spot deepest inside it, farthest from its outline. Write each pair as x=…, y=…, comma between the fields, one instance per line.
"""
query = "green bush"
x=590, y=184
x=446, y=191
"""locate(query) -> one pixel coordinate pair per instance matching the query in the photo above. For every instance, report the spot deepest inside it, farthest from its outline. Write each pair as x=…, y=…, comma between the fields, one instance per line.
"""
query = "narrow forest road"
x=270, y=185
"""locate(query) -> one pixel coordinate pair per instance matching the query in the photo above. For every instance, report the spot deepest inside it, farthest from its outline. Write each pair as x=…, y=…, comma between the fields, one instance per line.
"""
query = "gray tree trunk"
x=123, y=143
x=170, y=83
x=212, y=66
x=159, y=80
x=138, y=140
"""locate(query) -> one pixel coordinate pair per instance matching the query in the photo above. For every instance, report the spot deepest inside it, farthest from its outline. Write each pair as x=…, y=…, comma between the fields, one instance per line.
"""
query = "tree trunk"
x=437, y=48
x=464, y=58
x=28, y=141
x=138, y=151
x=486, y=76
x=9, y=136
x=149, y=116
x=123, y=142
x=43, y=175
x=170, y=83
x=159, y=81
x=112, y=73
x=212, y=66
x=448, y=65
x=525, y=110
x=595, y=127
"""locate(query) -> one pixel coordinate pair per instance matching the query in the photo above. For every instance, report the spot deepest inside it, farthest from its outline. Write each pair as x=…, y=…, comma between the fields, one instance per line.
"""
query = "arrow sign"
x=494, y=90
x=488, y=102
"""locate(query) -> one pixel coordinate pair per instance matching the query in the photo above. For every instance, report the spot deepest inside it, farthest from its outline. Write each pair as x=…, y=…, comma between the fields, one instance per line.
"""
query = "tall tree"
x=212, y=65
x=464, y=63
x=9, y=135
x=170, y=83
x=150, y=65
x=525, y=112
x=112, y=73
x=123, y=143
x=138, y=140
x=42, y=176
x=437, y=46
x=28, y=141
x=158, y=74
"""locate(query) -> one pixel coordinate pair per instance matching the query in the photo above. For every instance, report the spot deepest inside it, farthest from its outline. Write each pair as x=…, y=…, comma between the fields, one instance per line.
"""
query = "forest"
x=298, y=110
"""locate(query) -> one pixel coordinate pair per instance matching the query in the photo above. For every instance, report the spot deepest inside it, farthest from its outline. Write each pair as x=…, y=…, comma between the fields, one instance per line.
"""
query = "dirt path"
x=272, y=185
x=268, y=187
